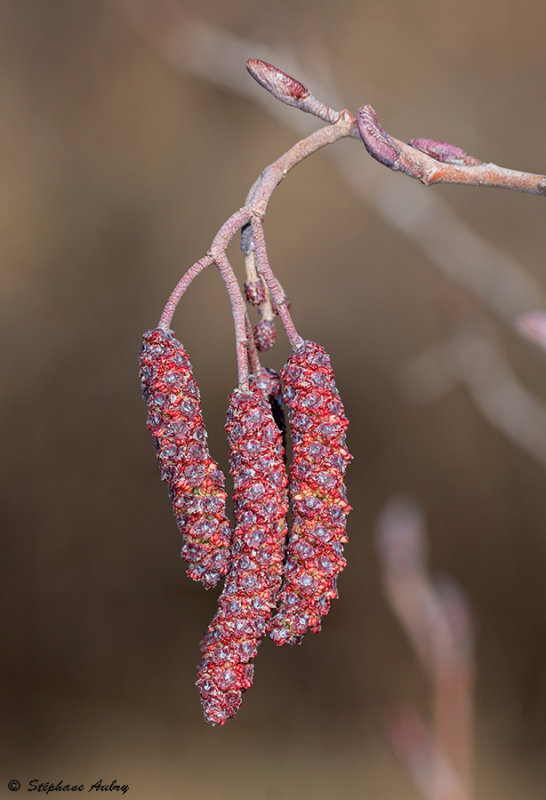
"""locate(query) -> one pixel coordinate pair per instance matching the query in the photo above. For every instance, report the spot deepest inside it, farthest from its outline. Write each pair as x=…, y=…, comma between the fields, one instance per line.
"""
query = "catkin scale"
x=314, y=556
x=254, y=579
x=196, y=485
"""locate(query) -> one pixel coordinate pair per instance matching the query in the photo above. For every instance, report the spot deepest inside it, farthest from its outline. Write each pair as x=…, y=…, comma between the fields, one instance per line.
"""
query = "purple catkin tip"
x=376, y=140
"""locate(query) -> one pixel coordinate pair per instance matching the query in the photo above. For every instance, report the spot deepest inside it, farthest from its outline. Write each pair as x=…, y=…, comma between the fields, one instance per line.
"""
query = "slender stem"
x=255, y=207
x=277, y=295
x=228, y=231
x=216, y=254
x=261, y=191
x=239, y=317
x=258, y=199
x=265, y=309
x=219, y=244
x=180, y=288
x=253, y=356
x=429, y=171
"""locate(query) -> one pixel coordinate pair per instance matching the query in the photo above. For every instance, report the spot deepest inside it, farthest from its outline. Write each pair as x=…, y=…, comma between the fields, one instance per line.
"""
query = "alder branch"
x=213, y=54
x=425, y=159
x=252, y=214
x=439, y=162
x=428, y=160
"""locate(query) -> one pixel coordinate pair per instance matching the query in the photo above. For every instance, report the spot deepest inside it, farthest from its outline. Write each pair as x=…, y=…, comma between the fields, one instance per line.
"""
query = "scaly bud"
x=196, y=485
x=281, y=85
x=376, y=140
x=445, y=152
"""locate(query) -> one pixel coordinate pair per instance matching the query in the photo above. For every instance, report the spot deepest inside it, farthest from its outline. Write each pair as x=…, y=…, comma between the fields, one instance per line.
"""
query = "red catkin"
x=196, y=485
x=314, y=555
x=254, y=579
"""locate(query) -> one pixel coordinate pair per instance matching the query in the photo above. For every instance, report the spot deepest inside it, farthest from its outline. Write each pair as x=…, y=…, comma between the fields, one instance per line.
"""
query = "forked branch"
x=439, y=162
x=425, y=159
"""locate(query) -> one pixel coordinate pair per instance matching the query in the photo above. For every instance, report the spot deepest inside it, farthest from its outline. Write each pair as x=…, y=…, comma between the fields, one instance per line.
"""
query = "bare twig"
x=437, y=623
x=263, y=188
x=439, y=162
x=449, y=244
x=275, y=290
x=425, y=159
x=180, y=289
x=254, y=210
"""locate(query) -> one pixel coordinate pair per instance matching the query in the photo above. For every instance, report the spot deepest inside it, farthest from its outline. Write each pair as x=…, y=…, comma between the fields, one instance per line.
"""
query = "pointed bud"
x=445, y=152
x=277, y=82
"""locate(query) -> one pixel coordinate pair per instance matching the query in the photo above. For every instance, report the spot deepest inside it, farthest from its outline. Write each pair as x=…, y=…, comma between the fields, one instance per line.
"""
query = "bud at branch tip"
x=277, y=82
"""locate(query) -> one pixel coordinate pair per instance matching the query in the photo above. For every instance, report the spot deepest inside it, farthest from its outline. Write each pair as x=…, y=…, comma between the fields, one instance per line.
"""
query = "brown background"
x=117, y=171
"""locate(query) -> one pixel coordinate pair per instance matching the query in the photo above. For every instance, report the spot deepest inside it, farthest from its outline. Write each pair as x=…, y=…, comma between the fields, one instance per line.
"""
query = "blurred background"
x=130, y=132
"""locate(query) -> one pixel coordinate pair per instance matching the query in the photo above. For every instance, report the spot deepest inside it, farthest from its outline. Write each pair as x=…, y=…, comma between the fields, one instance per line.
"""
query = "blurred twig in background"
x=472, y=357
x=532, y=324
x=437, y=623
